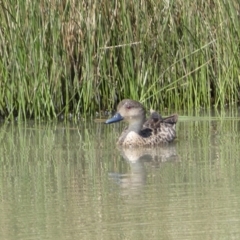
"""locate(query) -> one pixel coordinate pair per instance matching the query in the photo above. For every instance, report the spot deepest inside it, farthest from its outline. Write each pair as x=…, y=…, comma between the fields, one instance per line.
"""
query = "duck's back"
x=161, y=130
x=156, y=131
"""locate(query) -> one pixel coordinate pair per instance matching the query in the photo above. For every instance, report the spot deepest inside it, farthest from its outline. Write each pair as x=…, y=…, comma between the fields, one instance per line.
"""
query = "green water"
x=69, y=181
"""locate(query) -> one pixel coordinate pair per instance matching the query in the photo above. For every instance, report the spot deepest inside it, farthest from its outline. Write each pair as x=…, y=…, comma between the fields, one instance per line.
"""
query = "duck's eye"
x=128, y=107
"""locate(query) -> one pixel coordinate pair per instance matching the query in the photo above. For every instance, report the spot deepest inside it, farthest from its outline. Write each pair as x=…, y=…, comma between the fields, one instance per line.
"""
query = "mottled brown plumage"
x=155, y=131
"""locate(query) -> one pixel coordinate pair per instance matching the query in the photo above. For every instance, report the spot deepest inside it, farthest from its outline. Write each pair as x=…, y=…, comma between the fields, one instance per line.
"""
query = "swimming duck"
x=155, y=131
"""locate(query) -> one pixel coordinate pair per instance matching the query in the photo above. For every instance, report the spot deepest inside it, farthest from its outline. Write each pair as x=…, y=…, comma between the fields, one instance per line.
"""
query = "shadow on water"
x=70, y=181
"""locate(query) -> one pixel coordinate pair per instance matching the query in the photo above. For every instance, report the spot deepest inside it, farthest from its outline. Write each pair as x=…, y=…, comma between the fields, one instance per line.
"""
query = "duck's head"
x=129, y=110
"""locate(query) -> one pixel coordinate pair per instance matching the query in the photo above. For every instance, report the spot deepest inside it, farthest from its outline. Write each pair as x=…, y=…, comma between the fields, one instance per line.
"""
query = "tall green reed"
x=62, y=58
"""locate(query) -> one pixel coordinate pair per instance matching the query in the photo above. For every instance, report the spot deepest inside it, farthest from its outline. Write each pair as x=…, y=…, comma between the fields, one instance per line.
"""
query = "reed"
x=61, y=58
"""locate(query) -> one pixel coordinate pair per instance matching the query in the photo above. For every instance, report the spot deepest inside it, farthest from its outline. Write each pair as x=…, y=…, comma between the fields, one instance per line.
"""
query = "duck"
x=142, y=132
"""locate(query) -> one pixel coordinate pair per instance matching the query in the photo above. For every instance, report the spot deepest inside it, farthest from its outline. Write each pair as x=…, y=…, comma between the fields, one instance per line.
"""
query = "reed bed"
x=81, y=57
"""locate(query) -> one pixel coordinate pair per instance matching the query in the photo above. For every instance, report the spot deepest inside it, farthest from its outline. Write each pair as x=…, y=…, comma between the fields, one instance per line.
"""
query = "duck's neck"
x=136, y=125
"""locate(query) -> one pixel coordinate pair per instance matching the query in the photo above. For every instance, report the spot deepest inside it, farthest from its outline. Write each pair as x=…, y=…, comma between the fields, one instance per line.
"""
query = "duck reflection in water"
x=142, y=161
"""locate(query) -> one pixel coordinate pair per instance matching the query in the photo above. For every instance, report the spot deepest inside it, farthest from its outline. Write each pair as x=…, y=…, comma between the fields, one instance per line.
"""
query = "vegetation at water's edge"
x=62, y=57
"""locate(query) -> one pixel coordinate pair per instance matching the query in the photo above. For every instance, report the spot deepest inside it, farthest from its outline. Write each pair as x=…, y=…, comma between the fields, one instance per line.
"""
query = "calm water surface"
x=69, y=181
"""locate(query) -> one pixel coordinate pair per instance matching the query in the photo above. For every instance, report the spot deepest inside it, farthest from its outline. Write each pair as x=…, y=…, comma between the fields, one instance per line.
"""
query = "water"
x=67, y=181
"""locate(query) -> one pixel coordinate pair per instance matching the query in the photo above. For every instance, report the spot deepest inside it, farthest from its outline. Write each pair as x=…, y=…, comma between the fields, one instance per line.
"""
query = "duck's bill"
x=116, y=118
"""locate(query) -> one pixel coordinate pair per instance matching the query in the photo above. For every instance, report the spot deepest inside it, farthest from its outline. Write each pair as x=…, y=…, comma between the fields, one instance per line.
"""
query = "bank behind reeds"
x=62, y=57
